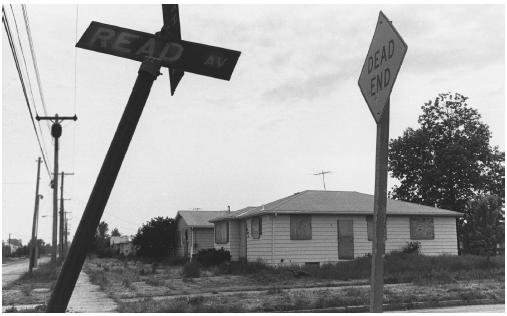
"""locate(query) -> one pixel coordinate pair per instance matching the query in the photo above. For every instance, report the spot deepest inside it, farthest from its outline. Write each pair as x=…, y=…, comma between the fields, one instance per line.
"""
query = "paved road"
x=490, y=308
x=11, y=271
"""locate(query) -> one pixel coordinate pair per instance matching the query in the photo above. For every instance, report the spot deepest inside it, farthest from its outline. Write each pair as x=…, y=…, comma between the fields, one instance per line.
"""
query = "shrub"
x=212, y=257
x=412, y=247
x=191, y=270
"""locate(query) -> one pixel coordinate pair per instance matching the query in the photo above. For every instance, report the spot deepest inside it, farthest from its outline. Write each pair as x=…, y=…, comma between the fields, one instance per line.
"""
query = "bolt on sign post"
x=380, y=69
x=154, y=51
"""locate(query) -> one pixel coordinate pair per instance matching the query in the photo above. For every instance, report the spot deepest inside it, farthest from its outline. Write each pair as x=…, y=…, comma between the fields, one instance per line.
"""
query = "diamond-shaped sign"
x=380, y=69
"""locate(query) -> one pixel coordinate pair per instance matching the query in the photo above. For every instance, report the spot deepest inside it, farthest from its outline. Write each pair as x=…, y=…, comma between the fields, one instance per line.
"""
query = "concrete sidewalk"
x=89, y=298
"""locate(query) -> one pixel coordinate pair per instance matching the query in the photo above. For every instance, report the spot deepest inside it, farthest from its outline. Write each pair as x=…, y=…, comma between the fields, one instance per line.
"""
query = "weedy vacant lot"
x=254, y=287
x=31, y=290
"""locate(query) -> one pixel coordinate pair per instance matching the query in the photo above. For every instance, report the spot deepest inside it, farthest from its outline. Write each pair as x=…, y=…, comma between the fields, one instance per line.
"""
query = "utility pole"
x=323, y=180
x=33, y=248
x=56, y=132
x=62, y=221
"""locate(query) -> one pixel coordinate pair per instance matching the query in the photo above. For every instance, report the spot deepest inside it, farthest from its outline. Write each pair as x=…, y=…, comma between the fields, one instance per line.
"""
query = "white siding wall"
x=204, y=238
x=323, y=247
x=233, y=244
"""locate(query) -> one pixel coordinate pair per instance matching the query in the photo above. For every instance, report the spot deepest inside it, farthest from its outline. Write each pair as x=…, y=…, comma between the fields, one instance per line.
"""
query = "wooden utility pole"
x=33, y=251
x=62, y=215
x=56, y=132
x=155, y=50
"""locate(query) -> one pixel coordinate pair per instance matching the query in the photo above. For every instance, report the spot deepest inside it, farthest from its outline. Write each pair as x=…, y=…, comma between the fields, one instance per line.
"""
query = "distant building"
x=14, y=244
x=122, y=245
x=317, y=227
x=194, y=231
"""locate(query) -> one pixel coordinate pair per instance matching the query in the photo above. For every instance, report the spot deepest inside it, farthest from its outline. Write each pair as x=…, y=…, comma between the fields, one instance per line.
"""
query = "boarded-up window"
x=256, y=227
x=422, y=228
x=222, y=232
x=369, y=226
x=300, y=227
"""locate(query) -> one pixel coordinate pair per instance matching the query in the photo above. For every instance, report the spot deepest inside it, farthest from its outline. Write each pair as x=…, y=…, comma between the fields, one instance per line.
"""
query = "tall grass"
x=399, y=268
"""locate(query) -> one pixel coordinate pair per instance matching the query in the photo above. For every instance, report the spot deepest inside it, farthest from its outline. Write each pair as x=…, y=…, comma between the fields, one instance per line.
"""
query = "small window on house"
x=256, y=227
x=369, y=227
x=300, y=227
x=222, y=232
x=422, y=228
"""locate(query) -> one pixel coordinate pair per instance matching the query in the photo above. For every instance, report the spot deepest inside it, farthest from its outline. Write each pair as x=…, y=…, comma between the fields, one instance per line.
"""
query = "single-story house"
x=328, y=226
x=194, y=231
x=122, y=245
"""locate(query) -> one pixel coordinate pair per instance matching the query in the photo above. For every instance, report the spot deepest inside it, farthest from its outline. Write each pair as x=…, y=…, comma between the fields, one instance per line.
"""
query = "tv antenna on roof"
x=323, y=179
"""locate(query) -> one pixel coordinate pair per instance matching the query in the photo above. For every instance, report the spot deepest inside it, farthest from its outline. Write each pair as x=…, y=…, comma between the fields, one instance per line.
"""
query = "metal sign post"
x=154, y=52
x=376, y=82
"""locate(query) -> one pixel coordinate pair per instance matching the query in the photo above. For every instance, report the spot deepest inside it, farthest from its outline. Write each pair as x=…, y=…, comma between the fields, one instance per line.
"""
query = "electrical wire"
x=16, y=61
x=32, y=50
x=28, y=78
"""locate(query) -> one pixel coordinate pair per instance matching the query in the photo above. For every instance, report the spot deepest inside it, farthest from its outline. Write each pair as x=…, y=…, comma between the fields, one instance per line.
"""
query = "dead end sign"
x=197, y=58
x=380, y=69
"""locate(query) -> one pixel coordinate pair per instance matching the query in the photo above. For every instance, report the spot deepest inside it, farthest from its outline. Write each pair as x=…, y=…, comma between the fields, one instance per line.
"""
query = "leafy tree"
x=115, y=232
x=485, y=227
x=448, y=160
x=102, y=230
x=156, y=238
x=100, y=244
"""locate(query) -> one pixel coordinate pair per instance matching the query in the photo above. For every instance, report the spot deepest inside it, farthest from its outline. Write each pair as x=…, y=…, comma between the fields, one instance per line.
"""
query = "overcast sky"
x=291, y=108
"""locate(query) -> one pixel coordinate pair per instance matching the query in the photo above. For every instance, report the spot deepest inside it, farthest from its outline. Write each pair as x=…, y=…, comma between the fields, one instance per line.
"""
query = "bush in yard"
x=191, y=270
x=412, y=247
x=212, y=257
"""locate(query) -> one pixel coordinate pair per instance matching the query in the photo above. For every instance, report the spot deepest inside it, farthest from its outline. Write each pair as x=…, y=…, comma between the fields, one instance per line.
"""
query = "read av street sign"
x=198, y=58
x=380, y=69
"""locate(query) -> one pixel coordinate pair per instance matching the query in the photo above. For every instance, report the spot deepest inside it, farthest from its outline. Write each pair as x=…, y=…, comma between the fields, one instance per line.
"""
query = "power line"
x=32, y=50
x=28, y=78
x=16, y=61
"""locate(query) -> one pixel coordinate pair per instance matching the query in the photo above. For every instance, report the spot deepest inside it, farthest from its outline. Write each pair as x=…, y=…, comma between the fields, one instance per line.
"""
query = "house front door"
x=242, y=240
x=345, y=239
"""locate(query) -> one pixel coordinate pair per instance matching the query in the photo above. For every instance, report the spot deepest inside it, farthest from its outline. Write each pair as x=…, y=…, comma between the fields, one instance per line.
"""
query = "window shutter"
x=260, y=225
x=255, y=223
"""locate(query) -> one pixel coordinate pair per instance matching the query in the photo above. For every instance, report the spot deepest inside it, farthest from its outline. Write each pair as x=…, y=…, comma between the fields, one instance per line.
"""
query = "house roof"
x=199, y=218
x=334, y=202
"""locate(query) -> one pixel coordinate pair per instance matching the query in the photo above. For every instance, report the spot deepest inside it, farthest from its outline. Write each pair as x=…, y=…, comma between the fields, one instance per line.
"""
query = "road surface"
x=490, y=308
x=12, y=271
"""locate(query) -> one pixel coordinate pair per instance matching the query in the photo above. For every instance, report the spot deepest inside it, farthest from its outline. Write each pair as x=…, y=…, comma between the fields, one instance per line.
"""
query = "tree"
x=448, y=160
x=156, y=238
x=115, y=232
x=485, y=227
x=102, y=230
x=100, y=243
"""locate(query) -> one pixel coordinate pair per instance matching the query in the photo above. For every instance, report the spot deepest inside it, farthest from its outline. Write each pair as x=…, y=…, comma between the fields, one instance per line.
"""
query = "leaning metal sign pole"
x=162, y=49
x=380, y=69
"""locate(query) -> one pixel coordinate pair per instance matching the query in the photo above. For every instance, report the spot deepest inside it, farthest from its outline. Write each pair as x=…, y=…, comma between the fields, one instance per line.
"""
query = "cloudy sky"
x=291, y=108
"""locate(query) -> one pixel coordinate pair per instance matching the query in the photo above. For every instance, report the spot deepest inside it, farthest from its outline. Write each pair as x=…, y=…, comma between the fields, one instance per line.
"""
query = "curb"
x=400, y=306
